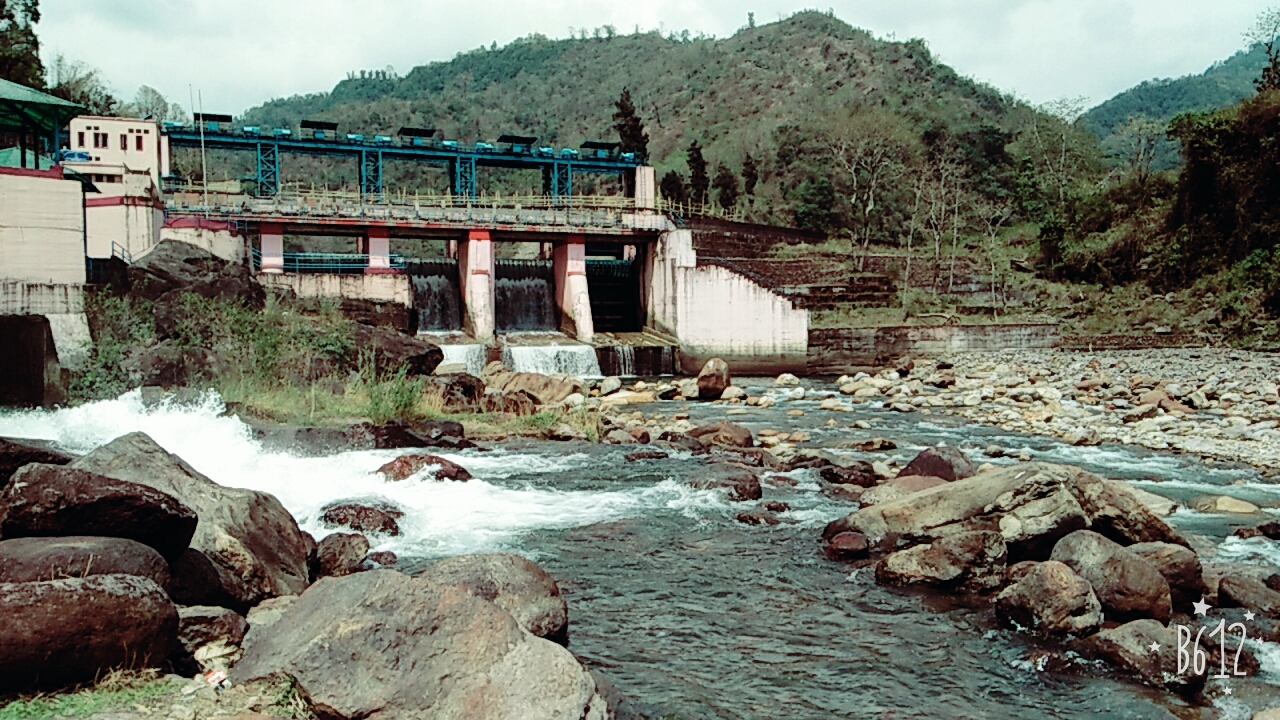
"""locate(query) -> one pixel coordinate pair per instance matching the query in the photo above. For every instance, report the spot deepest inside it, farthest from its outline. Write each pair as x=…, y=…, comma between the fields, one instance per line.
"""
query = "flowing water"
x=438, y=302
x=552, y=359
x=690, y=613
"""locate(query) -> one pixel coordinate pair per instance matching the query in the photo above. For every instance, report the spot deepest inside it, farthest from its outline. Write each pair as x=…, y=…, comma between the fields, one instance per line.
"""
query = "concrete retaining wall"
x=380, y=288
x=220, y=242
x=839, y=350
x=63, y=305
x=715, y=312
x=41, y=228
x=32, y=375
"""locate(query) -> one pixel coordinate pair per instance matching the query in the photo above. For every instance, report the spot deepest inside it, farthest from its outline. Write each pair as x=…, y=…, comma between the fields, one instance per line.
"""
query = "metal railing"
x=194, y=194
x=329, y=263
x=122, y=252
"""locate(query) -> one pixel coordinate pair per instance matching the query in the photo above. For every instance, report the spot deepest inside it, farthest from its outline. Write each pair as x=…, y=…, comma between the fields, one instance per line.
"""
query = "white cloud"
x=239, y=53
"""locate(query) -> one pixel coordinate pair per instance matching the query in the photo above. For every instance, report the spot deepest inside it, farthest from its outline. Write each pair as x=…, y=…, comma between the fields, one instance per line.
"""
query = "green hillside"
x=1225, y=83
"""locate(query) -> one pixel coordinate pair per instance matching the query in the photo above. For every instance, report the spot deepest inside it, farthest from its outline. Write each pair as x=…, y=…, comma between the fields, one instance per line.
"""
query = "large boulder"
x=547, y=389
x=1128, y=587
x=16, y=453
x=459, y=392
x=1239, y=590
x=176, y=265
x=246, y=546
x=723, y=433
x=512, y=583
x=340, y=554
x=31, y=559
x=365, y=517
x=1032, y=505
x=169, y=365
x=201, y=625
x=943, y=462
x=1130, y=647
x=1180, y=567
x=392, y=350
x=53, y=500
x=59, y=632
x=743, y=483
x=1051, y=598
x=384, y=645
x=966, y=562
x=406, y=466
x=713, y=379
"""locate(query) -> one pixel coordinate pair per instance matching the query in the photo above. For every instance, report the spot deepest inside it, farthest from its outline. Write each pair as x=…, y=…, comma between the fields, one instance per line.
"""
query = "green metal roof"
x=23, y=107
x=12, y=157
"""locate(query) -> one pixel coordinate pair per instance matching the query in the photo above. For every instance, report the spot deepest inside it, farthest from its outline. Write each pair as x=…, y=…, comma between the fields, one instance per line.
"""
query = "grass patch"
x=118, y=689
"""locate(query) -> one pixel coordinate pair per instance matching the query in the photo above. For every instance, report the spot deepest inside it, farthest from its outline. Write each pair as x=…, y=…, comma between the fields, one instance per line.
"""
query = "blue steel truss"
x=460, y=161
x=268, y=169
x=371, y=173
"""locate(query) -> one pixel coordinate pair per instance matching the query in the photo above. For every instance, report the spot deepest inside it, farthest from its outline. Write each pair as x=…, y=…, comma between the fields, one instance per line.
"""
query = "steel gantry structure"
x=412, y=144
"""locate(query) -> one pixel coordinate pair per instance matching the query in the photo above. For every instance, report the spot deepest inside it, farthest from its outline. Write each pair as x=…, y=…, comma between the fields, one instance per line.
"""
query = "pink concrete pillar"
x=272, y=246
x=569, y=261
x=378, y=247
x=475, y=280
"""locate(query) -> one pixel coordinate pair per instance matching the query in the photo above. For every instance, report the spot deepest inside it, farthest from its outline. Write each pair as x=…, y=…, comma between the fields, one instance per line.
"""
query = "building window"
x=99, y=140
x=79, y=139
x=138, y=142
x=124, y=141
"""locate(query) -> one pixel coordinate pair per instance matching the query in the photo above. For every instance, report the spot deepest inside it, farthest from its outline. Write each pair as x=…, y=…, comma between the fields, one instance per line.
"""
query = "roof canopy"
x=22, y=108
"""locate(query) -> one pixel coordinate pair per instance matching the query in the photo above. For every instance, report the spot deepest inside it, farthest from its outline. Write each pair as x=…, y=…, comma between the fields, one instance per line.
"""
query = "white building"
x=122, y=157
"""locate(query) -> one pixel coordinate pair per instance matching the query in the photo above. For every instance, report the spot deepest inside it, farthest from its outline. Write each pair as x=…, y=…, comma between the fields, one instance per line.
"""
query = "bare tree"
x=1136, y=142
x=1266, y=32
x=994, y=214
x=77, y=82
x=149, y=102
x=1055, y=142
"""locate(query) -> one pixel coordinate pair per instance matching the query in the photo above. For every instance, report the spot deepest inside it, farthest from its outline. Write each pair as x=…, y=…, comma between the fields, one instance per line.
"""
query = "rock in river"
x=1051, y=598
x=49, y=558
x=1128, y=587
x=968, y=562
x=356, y=646
x=514, y=584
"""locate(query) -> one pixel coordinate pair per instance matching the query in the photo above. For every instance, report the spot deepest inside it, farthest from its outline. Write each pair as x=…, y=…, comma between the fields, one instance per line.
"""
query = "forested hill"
x=1225, y=83
x=729, y=94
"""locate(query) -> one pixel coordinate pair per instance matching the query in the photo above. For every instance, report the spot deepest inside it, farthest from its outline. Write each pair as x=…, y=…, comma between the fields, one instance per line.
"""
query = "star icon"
x=1248, y=615
x=1202, y=607
x=1155, y=647
x=1226, y=690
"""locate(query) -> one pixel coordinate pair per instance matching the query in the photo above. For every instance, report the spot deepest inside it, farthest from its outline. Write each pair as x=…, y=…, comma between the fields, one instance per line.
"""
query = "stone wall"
x=833, y=351
x=63, y=306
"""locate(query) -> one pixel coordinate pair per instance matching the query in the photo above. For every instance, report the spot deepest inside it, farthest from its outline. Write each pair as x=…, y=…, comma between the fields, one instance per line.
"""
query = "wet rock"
x=1239, y=590
x=1225, y=504
x=646, y=455
x=1180, y=567
x=1128, y=587
x=610, y=385
x=683, y=441
x=59, y=632
x=363, y=518
x=618, y=436
x=53, y=500
x=16, y=453
x=640, y=434
x=848, y=546
x=244, y=539
x=406, y=466
x=32, y=559
x=775, y=506
x=1082, y=436
x=1051, y=598
x=733, y=392
x=757, y=516
x=965, y=562
x=898, y=487
x=381, y=559
x=743, y=484
x=1129, y=647
x=846, y=493
x=514, y=584
x=201, y=625
x=943, y=462
x=723, y=433
x=1114, y=510
x=356, y=648
x=855, y=472
x=713, y=379
x=339, y=554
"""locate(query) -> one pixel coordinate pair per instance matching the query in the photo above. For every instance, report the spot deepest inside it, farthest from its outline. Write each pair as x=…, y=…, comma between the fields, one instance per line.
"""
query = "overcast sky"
x=239, y=53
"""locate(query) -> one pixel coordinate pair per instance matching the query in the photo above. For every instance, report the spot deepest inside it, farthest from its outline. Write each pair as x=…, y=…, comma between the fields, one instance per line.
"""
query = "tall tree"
x=699, y=182
x=149, y=102
x=1266, y=32
x=19, y=46
x=631, y=131
x=726, y=186
x=673, y=187
x=77, y=82
x=750, y=175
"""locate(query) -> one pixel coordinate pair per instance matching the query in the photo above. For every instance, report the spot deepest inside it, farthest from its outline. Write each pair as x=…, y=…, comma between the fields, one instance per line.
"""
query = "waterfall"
x=524, y=296
x=627, y=361
x=472, y=355
x=576, y=360
x=438, y=302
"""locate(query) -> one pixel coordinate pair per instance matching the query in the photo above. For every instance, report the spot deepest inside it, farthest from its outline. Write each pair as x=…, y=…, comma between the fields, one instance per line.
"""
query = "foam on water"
x=1258, y=551
x=507, y=497
x=577, y=360
x=472, y=355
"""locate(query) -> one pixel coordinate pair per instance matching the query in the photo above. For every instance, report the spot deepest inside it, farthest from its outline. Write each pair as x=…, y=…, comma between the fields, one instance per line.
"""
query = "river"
x=693, y=614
